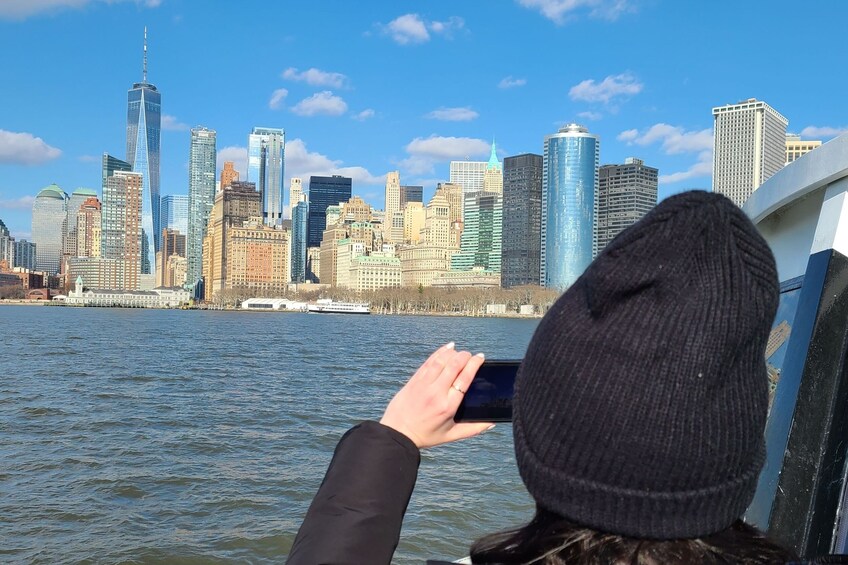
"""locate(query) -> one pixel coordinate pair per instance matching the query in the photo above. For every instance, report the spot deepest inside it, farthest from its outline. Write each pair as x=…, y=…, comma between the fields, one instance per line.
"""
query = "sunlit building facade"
x=121, y=235
x=174, y=215
x=796, y=147
x=88, y=228
x=569, y=197
x=468, y=174
x=49, y=219
x=144, y=127
x=266, y=154
x=201, y=196
x=480, y=243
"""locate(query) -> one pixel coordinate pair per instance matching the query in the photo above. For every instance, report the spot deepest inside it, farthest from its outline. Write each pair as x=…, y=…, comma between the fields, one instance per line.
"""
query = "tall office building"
x=300, y=213
x=88, y=228
x=394, y=211
x=49, y=220
x=25, y=254
x=174, y=214
x=295, y=192
x=144, y=125
x=121, y=229
x=795, y=146
x=75, y=200
x=493, y=175
x=625, y=194
x=480, y=244
x=324, y=192
x=201, y=196
x=749, y=147
x=468, y=174
x=569, y=197
x=109, y=166
x=410, y=193
x=7, y=246
x=228, y=175
x=171, y=259
x=522, y=220
x=266, y=153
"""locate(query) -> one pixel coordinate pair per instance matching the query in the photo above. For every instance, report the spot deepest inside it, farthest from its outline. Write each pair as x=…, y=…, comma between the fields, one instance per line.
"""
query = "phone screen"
x=489, y=397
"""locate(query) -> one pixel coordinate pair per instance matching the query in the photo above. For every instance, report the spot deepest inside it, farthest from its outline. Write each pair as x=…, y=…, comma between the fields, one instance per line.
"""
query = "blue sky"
x=363, y=88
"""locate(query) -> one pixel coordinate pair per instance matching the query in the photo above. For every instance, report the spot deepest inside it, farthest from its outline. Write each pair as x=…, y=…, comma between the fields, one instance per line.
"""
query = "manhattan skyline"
x=400, y=87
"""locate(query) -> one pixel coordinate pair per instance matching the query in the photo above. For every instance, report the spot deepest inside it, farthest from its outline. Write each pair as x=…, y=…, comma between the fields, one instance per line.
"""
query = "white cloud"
x=560, y=11
x=277, y=98
x=593, y=116
x=21, y=148
x=364, y=115
x=424, y=153
x=22, y=203
x=321, y=103
x=89, y=159
x=509, y=82
x=316, y=77
x=22, y=9
x=171, y=123
x=300, y=162
x=702, y=168
x=674, y=139
x=236, y=154
x=465, y=114
x=624, y=85
x=824, y=131
x=412, y=28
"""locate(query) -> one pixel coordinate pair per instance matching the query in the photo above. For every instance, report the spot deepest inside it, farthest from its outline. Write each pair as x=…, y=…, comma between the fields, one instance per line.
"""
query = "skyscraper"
x=394, y=215
x=324, y=192
x=569, y=196
x=49, y=219
x=88, y=228
x=121, y=228
x=410, y=193
x=228, y=174
x=300, y=212
x=625, y=193
x=144, y=125
x=493, y=175
x=749, y=147
x=201, y=196
x=295, y=193
x=795, y=146
x=7, y=246
x=468, y=174
x=522, y=220
x=266, y=152
x=174, y=214
x=480, y=244
x=76, y=199
x=25, y=254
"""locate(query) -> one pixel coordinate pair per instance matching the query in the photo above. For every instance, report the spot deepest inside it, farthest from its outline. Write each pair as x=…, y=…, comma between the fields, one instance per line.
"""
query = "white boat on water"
x=328, y=306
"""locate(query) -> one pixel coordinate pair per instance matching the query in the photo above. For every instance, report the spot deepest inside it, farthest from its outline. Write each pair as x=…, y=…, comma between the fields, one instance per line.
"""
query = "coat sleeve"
x=357, y=514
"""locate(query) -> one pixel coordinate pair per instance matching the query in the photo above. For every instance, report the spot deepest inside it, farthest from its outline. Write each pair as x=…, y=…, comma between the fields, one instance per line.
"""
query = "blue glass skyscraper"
x=266, y=156
x=144, y=124
x=298, y=258
x=324, y=192
x=569, y=204
x=174, y=213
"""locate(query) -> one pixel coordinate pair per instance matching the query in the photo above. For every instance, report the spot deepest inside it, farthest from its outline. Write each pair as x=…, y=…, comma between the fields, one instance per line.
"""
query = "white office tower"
x=749, y=147
x=468, y=174
x=394, y=215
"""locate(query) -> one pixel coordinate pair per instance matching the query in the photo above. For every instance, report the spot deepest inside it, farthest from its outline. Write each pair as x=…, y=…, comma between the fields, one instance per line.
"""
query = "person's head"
x=640, y=405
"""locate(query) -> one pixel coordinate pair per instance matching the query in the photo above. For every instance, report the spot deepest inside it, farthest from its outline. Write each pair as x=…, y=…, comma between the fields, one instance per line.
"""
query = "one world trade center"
x=144, y=121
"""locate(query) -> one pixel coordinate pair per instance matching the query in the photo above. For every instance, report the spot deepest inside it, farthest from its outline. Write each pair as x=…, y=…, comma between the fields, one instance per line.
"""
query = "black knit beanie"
x=640, y=405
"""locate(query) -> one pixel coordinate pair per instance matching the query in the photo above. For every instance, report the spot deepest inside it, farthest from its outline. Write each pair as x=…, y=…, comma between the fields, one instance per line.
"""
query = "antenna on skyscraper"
x=144, y=70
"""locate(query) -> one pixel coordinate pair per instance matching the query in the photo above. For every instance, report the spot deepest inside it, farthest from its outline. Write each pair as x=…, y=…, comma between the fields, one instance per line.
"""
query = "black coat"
x=357, y=514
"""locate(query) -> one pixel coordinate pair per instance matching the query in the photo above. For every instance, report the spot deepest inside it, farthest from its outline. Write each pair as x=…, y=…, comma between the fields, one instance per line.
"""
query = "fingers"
x=468, y=429
x=452, y=368
x=432, y=367
x=466, y=375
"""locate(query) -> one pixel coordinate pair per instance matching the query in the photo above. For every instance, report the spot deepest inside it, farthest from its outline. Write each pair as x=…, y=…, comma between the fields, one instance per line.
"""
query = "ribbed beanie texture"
x=640, y=404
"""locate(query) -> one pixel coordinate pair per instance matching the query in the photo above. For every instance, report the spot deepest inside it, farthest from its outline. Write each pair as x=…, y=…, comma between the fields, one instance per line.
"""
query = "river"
x=161, y=436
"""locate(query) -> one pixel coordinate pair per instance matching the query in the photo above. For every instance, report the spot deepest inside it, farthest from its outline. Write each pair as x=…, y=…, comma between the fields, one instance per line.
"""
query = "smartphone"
x=489, y=397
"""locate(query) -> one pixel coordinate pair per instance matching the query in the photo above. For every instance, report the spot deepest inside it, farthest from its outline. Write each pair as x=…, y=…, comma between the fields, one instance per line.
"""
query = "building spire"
x=144, y=68
x=493, y=158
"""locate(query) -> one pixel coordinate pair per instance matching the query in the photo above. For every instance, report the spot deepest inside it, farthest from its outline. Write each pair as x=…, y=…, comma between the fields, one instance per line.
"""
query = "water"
x=134, y=436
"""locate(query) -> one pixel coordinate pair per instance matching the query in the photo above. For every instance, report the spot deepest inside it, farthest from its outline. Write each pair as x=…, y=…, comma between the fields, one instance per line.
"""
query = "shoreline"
x=515, y=315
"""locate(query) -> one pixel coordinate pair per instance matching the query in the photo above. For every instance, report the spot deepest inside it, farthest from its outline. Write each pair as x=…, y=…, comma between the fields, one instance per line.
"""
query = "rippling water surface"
x=133, y=436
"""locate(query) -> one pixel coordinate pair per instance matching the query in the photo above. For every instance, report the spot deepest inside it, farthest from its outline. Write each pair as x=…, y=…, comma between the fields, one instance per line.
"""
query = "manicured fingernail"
x=492, y=427
x=481, y=355
x=450, y=345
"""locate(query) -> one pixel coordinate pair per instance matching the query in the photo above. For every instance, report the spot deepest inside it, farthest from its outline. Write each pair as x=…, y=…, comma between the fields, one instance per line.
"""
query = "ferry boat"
x=328, y=306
